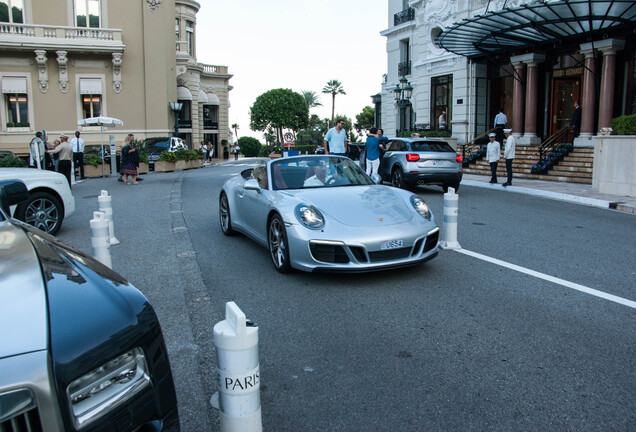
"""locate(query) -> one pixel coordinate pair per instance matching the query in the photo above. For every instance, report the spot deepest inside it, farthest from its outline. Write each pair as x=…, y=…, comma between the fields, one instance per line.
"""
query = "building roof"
x=534, y=25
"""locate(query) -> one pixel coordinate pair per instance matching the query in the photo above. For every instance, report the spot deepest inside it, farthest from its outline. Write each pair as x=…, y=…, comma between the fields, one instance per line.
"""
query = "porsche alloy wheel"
x=278, y=245
x=224, y=215
x=43, y=211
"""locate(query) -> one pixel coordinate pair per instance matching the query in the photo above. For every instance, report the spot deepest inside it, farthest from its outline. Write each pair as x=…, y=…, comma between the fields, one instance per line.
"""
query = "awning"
x=203, y=98
x=90, y=86
x=213, y=99
x=536, y=24
x=183, y=94
x=14, y=85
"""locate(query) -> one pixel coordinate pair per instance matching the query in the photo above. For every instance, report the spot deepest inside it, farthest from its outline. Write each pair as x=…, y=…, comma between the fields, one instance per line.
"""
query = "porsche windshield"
x=316, y=172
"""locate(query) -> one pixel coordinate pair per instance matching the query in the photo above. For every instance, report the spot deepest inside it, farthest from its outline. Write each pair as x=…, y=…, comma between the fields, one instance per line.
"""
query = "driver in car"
x=319, y=177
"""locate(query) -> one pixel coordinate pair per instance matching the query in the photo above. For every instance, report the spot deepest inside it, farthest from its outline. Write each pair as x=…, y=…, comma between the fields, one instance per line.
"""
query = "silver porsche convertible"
x=323, y=213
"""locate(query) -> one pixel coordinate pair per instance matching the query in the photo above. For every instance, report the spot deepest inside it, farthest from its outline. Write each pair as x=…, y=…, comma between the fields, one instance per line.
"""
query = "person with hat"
x=493, y=152
x=65, y=153
x=509, y=154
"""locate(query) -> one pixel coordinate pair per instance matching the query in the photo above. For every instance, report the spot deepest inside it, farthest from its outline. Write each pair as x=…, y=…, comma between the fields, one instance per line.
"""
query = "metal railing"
x=405, y=16
x=562, y=136
x=471, y=151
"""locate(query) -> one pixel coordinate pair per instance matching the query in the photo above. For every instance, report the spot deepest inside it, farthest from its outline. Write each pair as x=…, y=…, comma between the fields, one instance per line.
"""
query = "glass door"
x=564, y=93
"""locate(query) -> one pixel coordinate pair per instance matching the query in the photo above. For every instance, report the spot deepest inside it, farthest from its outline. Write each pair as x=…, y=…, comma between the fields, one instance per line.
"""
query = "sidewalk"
x=570, y=192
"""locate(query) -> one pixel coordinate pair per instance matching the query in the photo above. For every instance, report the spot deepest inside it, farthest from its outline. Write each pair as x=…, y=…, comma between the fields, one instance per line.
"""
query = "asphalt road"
x=459, y=343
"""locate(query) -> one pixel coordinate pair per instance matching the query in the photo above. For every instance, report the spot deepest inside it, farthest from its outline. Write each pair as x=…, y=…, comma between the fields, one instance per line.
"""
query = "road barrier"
x=106, y=207
x=449, y=229
x=239, y=395
x=100, y=239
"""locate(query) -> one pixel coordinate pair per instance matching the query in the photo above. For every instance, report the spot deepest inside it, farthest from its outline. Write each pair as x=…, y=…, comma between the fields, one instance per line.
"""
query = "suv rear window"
x=431, y=146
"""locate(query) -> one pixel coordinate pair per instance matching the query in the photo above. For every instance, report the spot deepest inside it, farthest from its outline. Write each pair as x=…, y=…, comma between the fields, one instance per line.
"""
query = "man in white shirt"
x=36, y=151
x=336, y=141
x=319, y=177
x=493, y=152
x=509, y=154
x=77, y=145
x=442, y=121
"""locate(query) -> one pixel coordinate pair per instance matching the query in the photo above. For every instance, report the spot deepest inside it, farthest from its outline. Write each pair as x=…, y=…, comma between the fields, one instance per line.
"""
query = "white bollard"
x=106, y=207
x=239, y=397
x=100, y=239
x=449, y=229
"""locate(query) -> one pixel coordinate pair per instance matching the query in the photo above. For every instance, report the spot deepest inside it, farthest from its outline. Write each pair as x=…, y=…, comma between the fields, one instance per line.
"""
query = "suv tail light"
x=412, y=157
x=458, y=158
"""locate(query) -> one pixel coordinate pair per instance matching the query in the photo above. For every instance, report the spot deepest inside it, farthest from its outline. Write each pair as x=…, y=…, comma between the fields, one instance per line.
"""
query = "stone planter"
x=614, y=168
x=180, y=165
x=197, y=163
x=96, y=171
x=161, y=166
x=143, y=168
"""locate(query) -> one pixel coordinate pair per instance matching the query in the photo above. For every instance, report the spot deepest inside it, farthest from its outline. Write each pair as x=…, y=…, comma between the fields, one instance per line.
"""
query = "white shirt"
x=442, y=121
x=493, y=151
x=77, y=145
x=509, y=150
x=313, y=181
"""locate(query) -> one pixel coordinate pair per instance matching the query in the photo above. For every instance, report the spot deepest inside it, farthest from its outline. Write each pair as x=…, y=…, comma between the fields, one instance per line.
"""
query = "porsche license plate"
x=391, y=244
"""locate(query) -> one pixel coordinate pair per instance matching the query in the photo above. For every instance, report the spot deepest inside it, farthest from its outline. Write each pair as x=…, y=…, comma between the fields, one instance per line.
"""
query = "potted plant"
x=143, y=164
x=93, y=166
x=166, y=162
x=182, y=156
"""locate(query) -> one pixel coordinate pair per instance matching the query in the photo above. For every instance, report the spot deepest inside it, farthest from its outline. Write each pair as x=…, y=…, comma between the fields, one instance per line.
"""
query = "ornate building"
x=65, y=60
x=533, y=59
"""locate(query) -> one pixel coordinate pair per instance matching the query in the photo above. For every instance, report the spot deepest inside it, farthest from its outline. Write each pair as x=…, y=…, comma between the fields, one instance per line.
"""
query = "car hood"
x=360, y=206
x=31, y=176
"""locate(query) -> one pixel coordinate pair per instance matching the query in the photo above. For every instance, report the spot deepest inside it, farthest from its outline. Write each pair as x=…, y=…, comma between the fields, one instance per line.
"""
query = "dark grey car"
x=408, y=162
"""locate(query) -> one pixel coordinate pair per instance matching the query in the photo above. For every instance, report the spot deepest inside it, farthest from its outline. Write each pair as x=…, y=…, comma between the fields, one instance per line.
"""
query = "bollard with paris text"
x=106, y=207
x=100, y=239
x=239, y=395
x=449, y=229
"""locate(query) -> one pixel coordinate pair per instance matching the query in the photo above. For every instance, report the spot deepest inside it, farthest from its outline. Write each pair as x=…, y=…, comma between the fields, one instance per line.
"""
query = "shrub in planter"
x=167, y=157
x=624, y=125
x=93, y=160
x=182, y=154
x=250, y=147
x=12, y=162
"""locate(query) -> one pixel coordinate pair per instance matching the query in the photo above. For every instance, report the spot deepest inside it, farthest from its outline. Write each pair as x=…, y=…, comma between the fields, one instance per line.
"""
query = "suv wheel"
x=397, y=178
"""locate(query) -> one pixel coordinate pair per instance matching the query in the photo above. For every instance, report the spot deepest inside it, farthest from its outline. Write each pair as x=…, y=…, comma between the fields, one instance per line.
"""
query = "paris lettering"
x=240, y=383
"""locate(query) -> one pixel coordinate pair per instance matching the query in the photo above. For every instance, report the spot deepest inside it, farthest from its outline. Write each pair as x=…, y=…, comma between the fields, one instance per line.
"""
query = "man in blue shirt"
x=500, y=122
x=373, y=151
x=336, y=142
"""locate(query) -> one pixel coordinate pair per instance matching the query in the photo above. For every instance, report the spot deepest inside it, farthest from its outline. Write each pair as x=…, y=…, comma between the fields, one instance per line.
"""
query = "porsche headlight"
x=97, y=392
x=421, y=207
x=310, y=216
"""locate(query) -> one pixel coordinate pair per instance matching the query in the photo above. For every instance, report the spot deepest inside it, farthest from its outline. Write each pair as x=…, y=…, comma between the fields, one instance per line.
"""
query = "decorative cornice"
x=62, y=63
x=117, y=72
x=40, y=58
x=153, y=4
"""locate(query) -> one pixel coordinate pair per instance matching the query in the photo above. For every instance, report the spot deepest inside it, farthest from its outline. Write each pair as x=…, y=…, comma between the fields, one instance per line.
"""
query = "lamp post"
x=403, y=92
x=176, y=108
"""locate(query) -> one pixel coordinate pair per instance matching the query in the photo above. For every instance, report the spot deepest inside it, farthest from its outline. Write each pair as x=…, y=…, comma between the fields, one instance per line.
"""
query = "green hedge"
x=625, y=125
x=12, y=162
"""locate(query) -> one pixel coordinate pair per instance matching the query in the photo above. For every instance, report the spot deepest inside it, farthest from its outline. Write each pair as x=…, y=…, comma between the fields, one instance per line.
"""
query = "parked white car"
x=50, y=198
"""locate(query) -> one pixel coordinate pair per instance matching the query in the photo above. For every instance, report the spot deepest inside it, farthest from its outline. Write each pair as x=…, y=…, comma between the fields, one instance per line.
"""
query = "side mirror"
x=12, y=192
x=376, y=178
x=252, y=184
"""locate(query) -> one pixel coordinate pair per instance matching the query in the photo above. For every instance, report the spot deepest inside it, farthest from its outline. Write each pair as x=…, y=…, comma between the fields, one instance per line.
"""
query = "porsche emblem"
x=381, y=220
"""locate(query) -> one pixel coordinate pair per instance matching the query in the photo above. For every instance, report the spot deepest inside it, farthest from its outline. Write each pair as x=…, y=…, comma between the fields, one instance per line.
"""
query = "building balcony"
x=405, y=16
x=28, y=37
x=214, y=70
x=404, y=68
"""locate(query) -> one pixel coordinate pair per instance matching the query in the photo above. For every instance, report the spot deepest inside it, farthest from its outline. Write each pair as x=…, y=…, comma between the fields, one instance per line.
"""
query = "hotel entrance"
x=565, y=91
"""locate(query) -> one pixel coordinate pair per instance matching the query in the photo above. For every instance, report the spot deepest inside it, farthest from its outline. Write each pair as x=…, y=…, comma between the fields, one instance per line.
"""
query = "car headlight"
x=310, y=216
x=97, y=392
x=421, y=207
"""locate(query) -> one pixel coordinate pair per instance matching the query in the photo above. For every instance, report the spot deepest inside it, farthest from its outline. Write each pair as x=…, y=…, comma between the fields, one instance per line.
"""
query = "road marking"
x=567, y=284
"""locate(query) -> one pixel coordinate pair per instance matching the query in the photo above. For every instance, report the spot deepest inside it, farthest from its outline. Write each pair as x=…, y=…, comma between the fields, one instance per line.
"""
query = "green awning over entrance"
x=536, y=25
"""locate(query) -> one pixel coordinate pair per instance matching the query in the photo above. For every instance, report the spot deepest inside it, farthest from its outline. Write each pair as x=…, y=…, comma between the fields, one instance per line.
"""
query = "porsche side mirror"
x=252, y=184
x=376, y=178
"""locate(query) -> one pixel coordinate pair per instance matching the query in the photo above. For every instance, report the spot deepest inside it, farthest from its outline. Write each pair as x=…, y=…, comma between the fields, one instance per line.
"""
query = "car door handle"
x=240, y=194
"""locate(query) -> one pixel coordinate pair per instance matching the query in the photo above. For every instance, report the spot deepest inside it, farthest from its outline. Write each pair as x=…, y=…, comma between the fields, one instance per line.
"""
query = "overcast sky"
x=295, y=44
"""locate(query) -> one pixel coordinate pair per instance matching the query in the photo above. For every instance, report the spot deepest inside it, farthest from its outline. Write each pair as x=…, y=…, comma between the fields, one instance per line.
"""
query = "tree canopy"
x=279, y=109
x=335, y=88
x=250, y=147
x=311, y=98
x=366, y=119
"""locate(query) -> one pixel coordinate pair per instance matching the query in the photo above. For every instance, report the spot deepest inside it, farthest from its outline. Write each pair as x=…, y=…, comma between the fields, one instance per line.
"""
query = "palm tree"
x=311, y=99
x=235, y=126
x=334, y=87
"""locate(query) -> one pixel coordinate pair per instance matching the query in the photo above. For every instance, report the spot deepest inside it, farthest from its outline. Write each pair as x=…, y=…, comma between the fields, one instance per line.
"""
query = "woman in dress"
x=129, y=160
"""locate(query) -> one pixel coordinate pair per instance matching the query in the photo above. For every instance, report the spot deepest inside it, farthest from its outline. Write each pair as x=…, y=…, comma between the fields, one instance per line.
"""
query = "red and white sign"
x=288, y=139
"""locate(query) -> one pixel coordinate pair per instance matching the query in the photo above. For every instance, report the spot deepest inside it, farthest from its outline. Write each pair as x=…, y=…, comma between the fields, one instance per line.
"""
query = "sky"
x=295, y=44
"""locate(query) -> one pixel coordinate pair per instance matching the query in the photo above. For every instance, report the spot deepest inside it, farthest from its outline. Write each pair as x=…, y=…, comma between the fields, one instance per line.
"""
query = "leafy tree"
x=235, y=126
x=250, y=147
x=279, y=109
x=335, y=88
x=366, y=119
x=311, y=98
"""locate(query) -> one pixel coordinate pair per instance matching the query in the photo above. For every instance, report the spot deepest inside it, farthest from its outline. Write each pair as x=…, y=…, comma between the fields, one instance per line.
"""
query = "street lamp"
x=403, y=92
x=176, y=108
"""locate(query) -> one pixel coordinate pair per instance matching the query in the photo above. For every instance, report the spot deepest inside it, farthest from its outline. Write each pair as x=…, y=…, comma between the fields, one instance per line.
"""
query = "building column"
x=588, y=100
x=532, y=92
x=518, y=98
x=609, y=48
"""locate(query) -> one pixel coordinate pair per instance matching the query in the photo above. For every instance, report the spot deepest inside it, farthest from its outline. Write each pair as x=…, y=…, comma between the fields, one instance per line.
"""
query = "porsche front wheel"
x=224, y=215
x=278, y=244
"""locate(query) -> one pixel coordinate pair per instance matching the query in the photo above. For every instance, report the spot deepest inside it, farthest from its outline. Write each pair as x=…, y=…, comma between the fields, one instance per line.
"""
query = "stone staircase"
x=574, y=168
